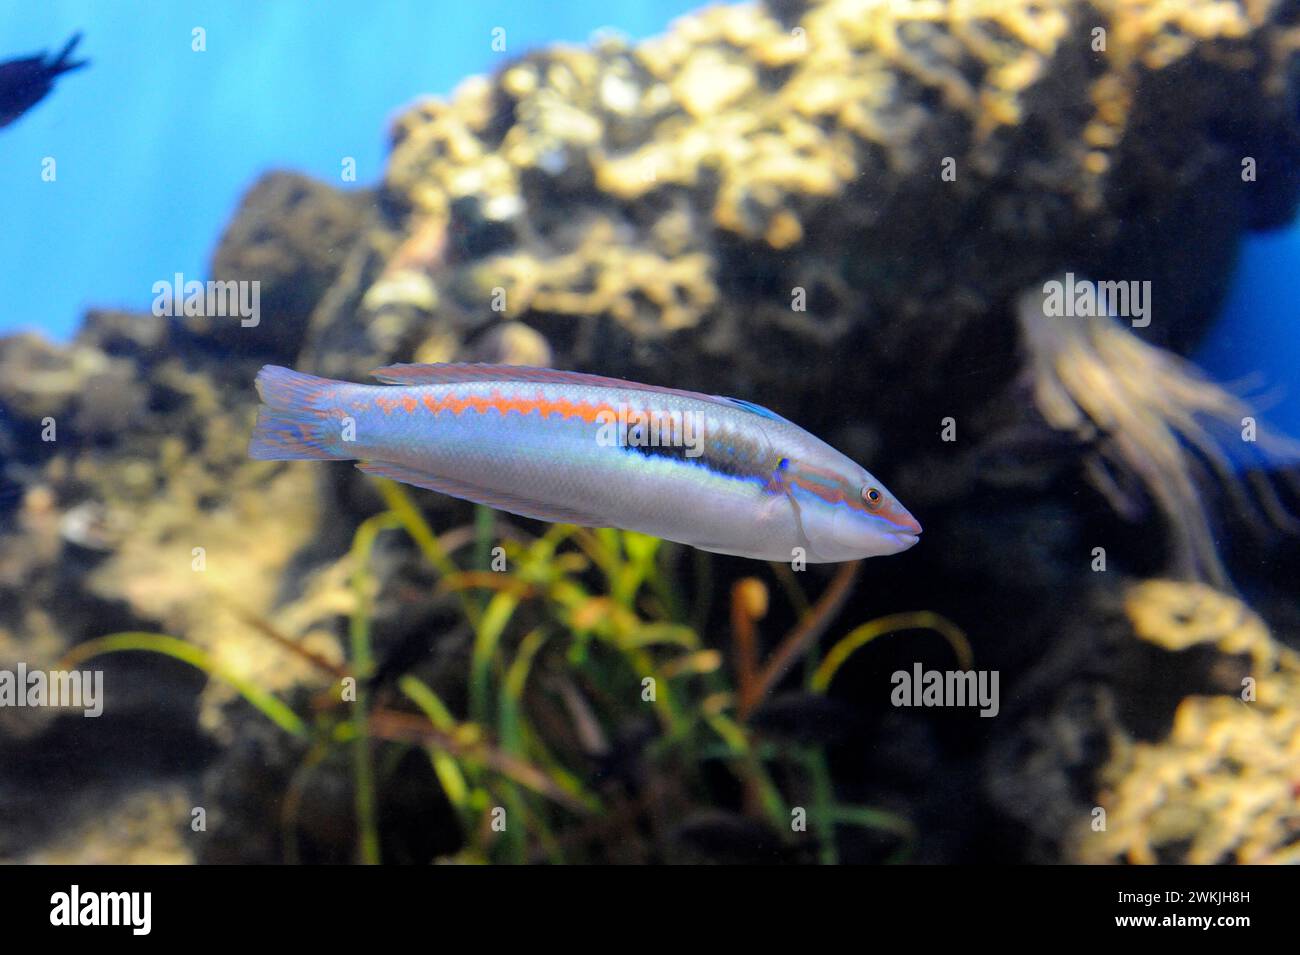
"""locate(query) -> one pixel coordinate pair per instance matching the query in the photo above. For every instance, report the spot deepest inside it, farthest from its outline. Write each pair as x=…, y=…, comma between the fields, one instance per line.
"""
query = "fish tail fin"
x=295, y=421
x=61, y=63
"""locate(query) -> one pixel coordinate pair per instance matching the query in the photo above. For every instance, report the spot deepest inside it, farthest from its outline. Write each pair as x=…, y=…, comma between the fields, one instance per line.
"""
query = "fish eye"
x=872, y=498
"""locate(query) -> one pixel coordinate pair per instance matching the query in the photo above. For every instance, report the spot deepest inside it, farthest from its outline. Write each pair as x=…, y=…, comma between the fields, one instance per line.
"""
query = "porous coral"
x=1224, y=784
x=775, y=138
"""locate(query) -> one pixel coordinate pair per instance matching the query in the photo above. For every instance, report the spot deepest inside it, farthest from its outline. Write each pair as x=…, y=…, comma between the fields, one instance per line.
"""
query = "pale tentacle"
x=1156, y=416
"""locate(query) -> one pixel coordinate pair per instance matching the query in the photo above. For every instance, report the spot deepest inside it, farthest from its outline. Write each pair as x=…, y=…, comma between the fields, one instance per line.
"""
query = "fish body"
x=716, y=473
x=25, y=82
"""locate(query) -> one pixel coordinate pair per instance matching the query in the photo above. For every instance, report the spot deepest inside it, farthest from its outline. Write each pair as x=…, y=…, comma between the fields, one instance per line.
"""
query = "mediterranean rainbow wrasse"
x=717, y=473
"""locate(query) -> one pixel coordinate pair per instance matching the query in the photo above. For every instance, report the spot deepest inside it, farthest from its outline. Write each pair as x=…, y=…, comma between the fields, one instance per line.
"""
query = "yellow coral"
x=1177, y=615
x=605, y=277
x=1224, y=785
x=773, y=122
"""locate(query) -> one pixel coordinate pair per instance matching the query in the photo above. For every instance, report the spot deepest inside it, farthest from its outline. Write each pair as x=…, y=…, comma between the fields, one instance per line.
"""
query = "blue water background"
x=155, y=143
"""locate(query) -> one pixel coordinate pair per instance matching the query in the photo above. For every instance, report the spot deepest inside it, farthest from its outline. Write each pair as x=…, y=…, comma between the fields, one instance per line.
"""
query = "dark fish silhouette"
x=25, y=82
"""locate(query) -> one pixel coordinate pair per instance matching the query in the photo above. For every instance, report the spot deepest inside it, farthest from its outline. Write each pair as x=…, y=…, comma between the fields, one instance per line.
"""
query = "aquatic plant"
x=577, y=635
x=1223, y=785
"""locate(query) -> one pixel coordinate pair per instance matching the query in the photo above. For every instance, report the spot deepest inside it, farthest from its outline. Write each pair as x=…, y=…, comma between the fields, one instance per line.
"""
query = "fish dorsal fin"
x=756, y=409
x=458, y=372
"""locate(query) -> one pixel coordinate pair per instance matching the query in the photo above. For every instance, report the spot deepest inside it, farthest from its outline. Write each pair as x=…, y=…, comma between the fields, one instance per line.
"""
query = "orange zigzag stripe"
x=497, y=402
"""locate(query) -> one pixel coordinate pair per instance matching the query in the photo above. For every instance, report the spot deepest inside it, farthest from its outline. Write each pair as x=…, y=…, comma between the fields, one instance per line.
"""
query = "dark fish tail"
x=61, y=64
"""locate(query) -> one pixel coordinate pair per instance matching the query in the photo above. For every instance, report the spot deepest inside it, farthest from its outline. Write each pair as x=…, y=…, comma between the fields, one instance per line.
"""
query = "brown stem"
x=748, y=606
x=803, y=636
x=407, y=727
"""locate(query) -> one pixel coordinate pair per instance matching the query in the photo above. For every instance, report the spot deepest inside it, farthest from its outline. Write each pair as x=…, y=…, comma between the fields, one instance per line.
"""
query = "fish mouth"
x=905, y=527
x=906, y=538
x=878, y=535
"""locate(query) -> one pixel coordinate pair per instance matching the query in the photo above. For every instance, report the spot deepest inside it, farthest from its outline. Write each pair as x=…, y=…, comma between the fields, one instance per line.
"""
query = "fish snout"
x=904, y=526
x=859, y=534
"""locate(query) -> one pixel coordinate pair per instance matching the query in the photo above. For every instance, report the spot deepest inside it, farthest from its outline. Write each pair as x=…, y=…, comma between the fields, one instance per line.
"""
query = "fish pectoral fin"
x=783, y=502
x=513, y=503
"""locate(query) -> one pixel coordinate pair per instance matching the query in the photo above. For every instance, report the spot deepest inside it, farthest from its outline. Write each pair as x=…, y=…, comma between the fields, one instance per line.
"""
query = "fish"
x=26, y=81
x=719, y=474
